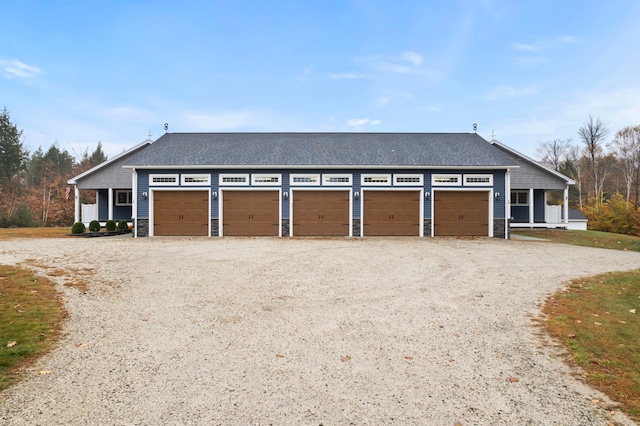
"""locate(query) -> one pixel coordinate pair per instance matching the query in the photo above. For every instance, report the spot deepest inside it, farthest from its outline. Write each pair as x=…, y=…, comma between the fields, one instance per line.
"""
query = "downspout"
x=531, y=209
x=110, y=213
x=507, y=202
x=565, y=206
x=76, y=195
x=134, y=206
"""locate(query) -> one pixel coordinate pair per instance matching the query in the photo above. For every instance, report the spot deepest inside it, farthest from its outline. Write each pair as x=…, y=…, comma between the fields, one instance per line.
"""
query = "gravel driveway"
x=306, y=331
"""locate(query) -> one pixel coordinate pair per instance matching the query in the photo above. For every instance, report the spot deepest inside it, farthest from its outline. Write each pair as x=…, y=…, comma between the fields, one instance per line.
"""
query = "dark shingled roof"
x=321, y=149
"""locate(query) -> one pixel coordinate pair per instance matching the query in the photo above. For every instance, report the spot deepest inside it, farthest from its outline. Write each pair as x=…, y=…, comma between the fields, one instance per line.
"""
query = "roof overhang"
x=74, y=180
x=534, y=162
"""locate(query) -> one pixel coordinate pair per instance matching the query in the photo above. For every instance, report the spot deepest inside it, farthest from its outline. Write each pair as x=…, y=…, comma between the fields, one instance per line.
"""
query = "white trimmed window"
x=336, y=180
x=304, y=180
x=271, y=179
x=375, y=180
x=519, y=198
x=408, y=180
x=446, y=180
x=124, y=198
x=478, y=180
x=164, y=180
x=193, y=180
x=237, y=179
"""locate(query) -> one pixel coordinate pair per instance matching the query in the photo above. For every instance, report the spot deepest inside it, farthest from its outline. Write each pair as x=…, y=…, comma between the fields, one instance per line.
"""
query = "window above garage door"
x=234, y=179
x=266, y=179
x=163, y=179
x=408, y=180
x=195, y=180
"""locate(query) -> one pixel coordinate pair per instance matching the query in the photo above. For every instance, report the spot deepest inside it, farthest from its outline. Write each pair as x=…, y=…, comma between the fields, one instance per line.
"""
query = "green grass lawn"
x=598, y=320
x=594, y=318
x=585, y=238
x=31, y=313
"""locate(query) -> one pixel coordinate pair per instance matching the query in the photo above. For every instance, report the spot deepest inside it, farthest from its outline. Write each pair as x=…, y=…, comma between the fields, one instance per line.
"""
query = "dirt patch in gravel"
x=295, y=331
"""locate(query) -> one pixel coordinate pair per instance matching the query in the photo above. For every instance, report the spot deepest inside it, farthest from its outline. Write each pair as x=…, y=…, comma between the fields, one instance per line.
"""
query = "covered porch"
x=113, y=190
x=529, y=209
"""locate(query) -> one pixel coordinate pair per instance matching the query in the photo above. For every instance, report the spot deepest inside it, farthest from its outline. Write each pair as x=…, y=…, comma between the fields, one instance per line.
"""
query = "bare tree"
x=574, y=167
x=626, y=145
x=553, y=154
x=593, y=134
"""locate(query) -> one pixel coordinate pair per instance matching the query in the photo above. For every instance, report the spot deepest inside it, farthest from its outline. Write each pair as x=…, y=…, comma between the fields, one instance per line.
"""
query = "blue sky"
x=79, y=72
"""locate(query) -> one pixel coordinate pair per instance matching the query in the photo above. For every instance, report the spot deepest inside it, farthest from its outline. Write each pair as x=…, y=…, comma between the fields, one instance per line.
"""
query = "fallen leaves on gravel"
x=279, y=355
x=79, y=345
x=408, y=357
x=45, y=372
x=513, y=379
x=345, y=358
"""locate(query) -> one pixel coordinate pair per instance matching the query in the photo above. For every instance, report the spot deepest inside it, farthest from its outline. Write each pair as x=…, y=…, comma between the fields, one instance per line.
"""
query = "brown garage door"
x=320, y=213
x=181, y=213
x=459, y=213
x=250, y=213
x=387, y=213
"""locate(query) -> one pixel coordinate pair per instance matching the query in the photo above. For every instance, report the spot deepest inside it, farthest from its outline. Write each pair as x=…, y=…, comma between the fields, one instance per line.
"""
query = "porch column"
x=565, y=204
x=110, y=203
x=531, y=218
x=76, y=196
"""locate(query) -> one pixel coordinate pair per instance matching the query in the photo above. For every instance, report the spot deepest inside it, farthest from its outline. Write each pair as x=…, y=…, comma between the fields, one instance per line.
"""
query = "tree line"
x=33, y=186
x=606, y=171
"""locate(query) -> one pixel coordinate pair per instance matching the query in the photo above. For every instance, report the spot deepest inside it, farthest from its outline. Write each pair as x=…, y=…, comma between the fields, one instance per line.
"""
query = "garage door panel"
x=389, y=213
x=461, y=213
x=251, y=213
x=321, y=213
x=179, y=213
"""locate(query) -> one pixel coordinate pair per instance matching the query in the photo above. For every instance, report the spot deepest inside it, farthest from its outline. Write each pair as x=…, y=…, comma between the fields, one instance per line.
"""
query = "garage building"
x=320, y=184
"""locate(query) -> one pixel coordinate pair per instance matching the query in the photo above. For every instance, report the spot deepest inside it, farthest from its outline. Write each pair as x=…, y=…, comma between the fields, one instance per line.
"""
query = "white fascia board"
x=320, y=166
x=534, y=162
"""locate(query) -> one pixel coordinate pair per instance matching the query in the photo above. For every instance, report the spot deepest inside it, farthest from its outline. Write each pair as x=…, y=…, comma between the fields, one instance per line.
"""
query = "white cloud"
x=383, y=101
x=616, y=107
x=567, y=39
x=406, y=63
x=526, y=47
x=532, y=60
x=210, y=122
x=434, y=108
x=124, y=111
x=350, y=76
x=357, y=121
x=509, y=92
x=354, y=122
x=412, y=57
x=15, y=68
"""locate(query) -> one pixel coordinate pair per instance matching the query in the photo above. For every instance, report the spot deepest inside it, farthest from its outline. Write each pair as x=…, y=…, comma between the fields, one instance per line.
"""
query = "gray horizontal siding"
x=531, y=175
x=110, y=176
